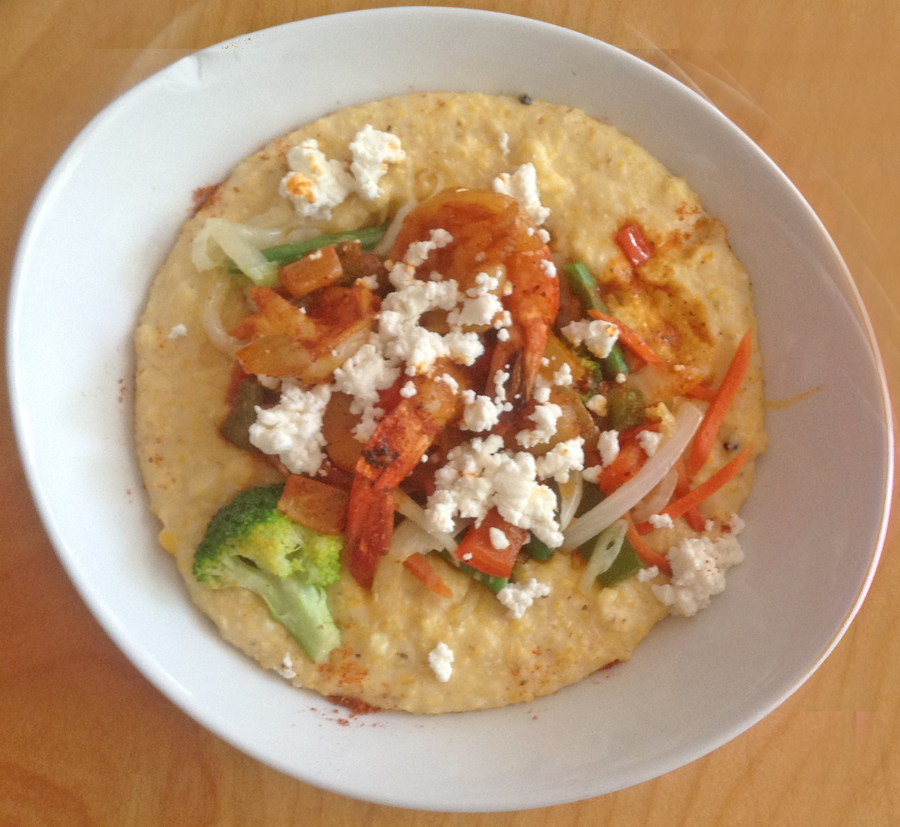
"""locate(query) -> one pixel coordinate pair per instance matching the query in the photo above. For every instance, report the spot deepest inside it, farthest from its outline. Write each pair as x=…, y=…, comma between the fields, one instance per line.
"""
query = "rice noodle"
x=687, y=420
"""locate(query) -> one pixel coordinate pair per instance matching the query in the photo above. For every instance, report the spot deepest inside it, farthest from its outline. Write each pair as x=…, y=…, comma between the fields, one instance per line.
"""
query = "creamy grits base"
x=592, y=178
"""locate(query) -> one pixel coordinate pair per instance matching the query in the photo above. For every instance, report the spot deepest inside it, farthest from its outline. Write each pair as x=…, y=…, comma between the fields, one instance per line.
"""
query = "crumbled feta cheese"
x=592, y=474
x=440, y=659
x=661, y=521
x=370, y=281
x=561, y=460
x=372, y=151
x=286, y=670
x=621, y=378
x=480, y=475
x=545, y=416
x=481, y=413
x=608, y=445
x=598, y=404
x=519, y=597
x=543, y=235
x=503, y=141
x=522, y=185
x=649, y=441
x=408, y=390
x=292, y=429
x=367, y=424
x=503, y=335
x=598, y=336
x=563, y=377
x=178, y=331
x=499, y=540
x=447, y=379
x=698, y=572
x=364, y=374
x=648, y=574
x=736, y=525
x=315, y=185
x=549, y=268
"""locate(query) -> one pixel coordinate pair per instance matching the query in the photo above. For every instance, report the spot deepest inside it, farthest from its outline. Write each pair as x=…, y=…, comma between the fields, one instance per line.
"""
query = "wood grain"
x=85, y=740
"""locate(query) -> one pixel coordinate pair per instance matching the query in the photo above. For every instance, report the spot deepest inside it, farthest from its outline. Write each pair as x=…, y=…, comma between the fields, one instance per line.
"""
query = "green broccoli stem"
x=586, y=289
x=301, y=608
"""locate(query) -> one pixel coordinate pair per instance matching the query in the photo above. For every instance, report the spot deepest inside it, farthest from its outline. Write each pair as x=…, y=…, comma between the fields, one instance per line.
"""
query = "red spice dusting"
x=203, y=194
x=355, y=705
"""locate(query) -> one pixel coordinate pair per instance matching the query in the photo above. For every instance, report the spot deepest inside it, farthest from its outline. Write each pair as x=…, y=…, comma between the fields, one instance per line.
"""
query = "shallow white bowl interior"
x=106, y=218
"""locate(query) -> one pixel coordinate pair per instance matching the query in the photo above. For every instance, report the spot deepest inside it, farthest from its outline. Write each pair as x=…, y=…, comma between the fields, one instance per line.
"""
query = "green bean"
x=586, y=289
x=368, y=237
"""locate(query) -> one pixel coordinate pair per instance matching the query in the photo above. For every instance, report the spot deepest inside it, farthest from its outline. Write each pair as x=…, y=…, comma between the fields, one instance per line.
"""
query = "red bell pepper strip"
x=478, y=551
x=634, y=244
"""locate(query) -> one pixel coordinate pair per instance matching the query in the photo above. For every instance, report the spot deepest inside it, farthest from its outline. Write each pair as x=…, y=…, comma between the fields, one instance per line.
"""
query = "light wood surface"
x=86, y=740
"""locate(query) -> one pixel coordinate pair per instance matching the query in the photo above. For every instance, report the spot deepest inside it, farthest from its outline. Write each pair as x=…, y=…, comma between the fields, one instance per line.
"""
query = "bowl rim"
x=145, y=660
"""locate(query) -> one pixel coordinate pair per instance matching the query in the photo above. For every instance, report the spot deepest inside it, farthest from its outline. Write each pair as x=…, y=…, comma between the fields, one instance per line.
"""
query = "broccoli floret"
x=251, y=544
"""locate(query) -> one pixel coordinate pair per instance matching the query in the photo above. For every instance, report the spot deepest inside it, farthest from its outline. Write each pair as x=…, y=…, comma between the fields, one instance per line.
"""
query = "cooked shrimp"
x=393, y=451
x=494, y=252
x=492, y=233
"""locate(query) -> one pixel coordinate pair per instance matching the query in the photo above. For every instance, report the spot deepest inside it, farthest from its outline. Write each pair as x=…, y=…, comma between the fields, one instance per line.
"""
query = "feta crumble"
x=698, y=572
x=314, y=185
x=649, y=441
x=499, y=540
x=440, y=659
x=480, y=475
x=545, y=418
x=597, y=336
x=292, y=429
x=522, y=185
x=481, y=413
x=178, y=331
x=661, y=521
x=608, y=445
x=372, y=151
x=519, y=597
x=562, y=460
x=286, y=670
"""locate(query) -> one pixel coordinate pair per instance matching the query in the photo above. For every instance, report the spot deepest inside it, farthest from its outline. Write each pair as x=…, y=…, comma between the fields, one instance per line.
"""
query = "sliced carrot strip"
x=632, y=340
x=417, y=565
x=682, y=487
x=702, y=392
x=712, y=421
x=724, y=475
x=649, y=557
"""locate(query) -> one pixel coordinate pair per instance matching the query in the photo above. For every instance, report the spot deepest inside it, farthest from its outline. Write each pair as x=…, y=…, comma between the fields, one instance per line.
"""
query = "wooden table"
x=86, y=740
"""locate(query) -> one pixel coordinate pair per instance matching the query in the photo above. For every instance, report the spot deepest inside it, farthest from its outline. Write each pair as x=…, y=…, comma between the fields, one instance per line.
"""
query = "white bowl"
x=107, y=216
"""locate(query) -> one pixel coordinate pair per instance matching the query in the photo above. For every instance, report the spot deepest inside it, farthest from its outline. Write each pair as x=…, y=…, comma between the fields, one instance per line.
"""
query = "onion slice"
x=414, y=513
x=619, y=503
x=608, y=546
x=212, y=321
x=570, y=494
x=237, y=242
x=409, y=539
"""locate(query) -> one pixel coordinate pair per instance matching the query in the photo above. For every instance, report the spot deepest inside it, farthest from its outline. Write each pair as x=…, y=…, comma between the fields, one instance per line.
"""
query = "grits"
x=692, y=303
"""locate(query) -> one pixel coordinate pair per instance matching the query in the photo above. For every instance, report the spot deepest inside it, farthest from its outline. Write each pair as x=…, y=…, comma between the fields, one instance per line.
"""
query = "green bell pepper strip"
x=586, y=289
